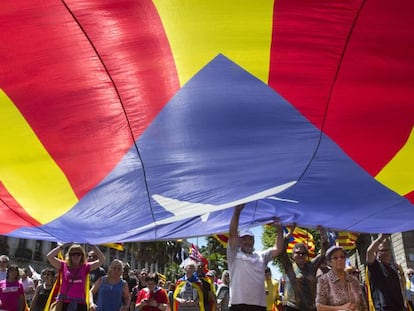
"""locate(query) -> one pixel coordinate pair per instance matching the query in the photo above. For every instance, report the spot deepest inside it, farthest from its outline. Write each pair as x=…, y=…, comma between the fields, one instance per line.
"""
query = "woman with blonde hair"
x=113, y=291
x=74, y=271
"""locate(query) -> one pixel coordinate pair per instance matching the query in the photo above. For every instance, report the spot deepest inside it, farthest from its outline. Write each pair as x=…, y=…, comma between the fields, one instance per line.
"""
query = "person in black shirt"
x=386, y=279
x=132, y=283
x=97, y=273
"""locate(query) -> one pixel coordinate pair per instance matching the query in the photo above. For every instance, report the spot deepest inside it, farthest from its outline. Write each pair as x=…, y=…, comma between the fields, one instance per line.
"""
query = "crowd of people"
x=78, y=281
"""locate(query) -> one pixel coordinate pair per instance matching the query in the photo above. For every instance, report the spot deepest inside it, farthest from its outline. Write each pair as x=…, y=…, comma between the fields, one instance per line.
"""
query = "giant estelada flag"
x=140, y=120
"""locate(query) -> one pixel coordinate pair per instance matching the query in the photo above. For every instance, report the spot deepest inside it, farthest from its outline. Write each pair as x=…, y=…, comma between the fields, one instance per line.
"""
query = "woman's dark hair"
x=13, y=267
x=152, y=277
x=48, y=270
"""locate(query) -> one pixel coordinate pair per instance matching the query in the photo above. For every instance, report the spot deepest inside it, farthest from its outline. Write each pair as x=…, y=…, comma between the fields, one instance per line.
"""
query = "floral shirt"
x=332, y=291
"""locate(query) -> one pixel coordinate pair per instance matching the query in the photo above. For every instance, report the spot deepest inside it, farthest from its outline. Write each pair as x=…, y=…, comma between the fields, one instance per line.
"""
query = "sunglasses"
x=301, y=253
x=75, y=254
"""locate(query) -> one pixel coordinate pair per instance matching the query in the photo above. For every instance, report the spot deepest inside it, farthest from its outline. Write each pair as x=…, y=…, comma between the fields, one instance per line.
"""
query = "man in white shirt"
x=247, y=292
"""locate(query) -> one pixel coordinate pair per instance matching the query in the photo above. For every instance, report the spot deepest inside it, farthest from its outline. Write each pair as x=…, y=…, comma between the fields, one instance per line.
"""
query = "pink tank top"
x=73, y=282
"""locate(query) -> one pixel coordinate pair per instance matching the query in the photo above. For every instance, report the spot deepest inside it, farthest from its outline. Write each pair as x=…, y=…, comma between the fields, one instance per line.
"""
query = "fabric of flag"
x=162, y=278
x=117, y=246
x=195, y=285
x=194, y=254
x=222, y=238
x=54, y=292
x=370, y=302
x=347, y=240
x=149, y=120
x=301, y=235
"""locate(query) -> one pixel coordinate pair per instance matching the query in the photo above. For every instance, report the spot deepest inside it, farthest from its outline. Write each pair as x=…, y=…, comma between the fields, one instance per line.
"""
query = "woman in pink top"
x=75, y=271
x=11, y=291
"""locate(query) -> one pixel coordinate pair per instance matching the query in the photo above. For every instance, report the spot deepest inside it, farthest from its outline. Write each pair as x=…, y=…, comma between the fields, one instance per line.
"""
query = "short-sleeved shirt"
x=385, y=286
x=159, y=295
x=331, y=291
x=272, y=292
x=223, y=296
x=247, y=276
x=9, y=294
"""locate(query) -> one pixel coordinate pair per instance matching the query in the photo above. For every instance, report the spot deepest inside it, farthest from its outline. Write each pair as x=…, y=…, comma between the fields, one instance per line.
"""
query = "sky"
x=257, y=231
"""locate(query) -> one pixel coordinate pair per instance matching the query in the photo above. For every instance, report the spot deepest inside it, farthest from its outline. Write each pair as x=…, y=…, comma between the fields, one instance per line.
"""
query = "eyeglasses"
x=75, y=254
x=337, y=258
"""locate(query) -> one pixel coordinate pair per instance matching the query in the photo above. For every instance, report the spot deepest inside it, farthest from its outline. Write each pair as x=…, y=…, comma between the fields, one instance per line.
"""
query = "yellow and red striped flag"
x=222, y=238
x=301, y=235
x=347, y=240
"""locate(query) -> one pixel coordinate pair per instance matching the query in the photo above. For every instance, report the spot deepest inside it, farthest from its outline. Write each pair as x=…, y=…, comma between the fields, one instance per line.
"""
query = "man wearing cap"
x=300, y=283
x=385, y=278
x=247, y=292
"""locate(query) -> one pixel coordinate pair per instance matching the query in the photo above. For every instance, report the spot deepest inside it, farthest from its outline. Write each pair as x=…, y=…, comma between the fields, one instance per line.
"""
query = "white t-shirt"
x=247, y=276
x=28, y=282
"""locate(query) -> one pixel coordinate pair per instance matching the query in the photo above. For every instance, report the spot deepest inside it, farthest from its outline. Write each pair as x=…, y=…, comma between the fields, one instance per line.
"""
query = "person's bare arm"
x=35, y=297
x=51, y=256
x=234, y=224
x=279, y=241
x=126, y=297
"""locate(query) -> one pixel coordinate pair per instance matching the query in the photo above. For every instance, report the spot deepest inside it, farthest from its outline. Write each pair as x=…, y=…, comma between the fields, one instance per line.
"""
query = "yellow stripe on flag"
x=399, y=172
x=117, y=246
x=27, y=170
x=240, y=30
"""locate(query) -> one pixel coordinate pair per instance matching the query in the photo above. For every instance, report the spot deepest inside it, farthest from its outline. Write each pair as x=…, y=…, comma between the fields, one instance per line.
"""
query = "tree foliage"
x=215, y=253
